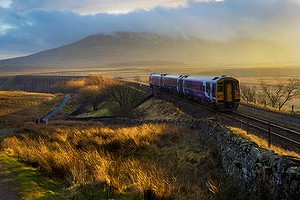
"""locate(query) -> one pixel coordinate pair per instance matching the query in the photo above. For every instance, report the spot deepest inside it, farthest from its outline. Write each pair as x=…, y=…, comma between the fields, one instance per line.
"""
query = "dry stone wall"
x=261, y=173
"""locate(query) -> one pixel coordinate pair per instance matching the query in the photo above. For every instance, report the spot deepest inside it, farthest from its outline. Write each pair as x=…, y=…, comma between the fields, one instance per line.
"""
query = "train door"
x=229, y=94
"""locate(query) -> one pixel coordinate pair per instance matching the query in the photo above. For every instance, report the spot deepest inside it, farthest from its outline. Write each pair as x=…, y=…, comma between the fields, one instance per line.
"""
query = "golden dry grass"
x=263, y=143
x=20, y=107
x=169, y=161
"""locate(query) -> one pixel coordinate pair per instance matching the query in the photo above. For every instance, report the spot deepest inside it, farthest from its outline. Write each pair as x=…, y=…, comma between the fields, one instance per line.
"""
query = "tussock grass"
x=263, y=143
x=162, y=161
x=19, y=107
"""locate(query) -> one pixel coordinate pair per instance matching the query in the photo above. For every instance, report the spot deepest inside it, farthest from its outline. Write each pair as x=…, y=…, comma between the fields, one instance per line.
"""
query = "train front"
x=227, y=93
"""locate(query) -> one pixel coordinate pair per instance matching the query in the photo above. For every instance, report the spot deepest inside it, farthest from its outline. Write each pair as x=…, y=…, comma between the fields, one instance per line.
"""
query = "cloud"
x=34, y=25
x=5, y=3
x=295, y=1
x=102, y=6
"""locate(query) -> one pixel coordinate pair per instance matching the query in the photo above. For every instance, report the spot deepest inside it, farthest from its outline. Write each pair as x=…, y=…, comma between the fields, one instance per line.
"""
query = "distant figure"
x=41, y=120
x=36, y=121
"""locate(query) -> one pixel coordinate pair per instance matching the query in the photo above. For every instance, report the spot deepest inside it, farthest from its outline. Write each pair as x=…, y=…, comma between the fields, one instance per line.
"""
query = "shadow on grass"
x=32, y=184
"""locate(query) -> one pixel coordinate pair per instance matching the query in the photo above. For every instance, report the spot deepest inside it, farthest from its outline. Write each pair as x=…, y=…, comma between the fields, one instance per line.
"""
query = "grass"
x=124, y=162
x=17, y=108
x=263, y=143
x=32, y=184
x=159, y=109
x=282, y=110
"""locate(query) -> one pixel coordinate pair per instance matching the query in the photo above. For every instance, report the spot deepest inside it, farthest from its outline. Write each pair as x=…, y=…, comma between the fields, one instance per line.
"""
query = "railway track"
x=274, y=133
x=283, y=130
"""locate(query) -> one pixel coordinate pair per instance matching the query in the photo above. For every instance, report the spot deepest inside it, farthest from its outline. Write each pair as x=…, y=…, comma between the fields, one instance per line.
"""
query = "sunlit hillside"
x=20, y=107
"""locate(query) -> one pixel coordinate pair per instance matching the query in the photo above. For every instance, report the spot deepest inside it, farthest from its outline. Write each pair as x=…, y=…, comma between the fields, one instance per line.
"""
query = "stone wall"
x=260, y=173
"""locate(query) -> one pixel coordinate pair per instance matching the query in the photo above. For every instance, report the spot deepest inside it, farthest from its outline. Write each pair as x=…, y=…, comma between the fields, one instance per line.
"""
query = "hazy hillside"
x=147, y=48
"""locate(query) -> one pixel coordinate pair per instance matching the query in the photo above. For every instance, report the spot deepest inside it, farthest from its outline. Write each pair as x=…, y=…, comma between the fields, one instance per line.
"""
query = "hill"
x=130, y=49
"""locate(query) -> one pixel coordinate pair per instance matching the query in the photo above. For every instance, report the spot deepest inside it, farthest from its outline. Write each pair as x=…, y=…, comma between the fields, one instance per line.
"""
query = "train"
x=221, y=92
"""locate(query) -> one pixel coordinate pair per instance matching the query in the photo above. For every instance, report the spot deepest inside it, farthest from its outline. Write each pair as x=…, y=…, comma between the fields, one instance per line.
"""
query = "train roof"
x=206, y=78
x=194, y=78
x=167, y=75
x=198, y=78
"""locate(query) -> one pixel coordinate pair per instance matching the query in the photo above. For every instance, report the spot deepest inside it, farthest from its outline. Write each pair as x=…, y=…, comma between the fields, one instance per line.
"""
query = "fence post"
x=269, y=134
x=292, y=108
x=217, y=116
x=265, y=103
x=247, y=127
x=222, y=119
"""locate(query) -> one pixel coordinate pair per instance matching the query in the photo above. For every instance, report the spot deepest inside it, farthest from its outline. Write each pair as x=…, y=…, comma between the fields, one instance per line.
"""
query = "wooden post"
x=269, y=134
x=265, y=103
x=222, y=119
x=247, y=127
x=292, y=108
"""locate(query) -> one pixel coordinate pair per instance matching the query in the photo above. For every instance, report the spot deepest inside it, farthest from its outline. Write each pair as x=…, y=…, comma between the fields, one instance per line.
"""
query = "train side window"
x=201, y=88
x=220, y=87
x=236, y=87
x=208, y=87
x=214, y=90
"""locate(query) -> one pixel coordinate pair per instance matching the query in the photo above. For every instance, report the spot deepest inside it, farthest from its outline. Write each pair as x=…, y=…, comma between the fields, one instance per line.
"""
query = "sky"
x=29, y=26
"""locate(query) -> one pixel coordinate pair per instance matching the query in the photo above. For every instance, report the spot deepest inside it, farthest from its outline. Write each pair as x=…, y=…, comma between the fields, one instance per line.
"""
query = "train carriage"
x=222, y=92
x=170, y=82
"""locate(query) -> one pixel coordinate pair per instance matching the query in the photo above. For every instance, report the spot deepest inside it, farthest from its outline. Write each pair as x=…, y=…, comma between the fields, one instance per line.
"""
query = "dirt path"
x=7, y=188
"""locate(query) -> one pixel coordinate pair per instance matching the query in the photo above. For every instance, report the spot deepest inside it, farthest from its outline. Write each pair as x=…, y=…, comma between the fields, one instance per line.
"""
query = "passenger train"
x=222, y=92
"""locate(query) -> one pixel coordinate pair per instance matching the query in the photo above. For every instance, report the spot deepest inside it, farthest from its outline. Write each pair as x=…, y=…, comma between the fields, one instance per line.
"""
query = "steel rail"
x=265, y=122
x=263, y=129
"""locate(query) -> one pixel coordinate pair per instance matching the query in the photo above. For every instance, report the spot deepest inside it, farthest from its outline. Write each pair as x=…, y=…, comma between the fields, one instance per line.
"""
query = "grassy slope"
x=125, y=162
x=31, y=183
x=263, y=143
x=131, y=160
x=17, y=108
x=192, y=168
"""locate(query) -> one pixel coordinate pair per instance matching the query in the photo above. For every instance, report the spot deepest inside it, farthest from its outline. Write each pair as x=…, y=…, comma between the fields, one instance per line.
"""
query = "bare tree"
x=248, y=93
x=93, y=95
x=95, y=87
x=100, y=80
x=291, y=90
x=280, y=93
x=124, y=96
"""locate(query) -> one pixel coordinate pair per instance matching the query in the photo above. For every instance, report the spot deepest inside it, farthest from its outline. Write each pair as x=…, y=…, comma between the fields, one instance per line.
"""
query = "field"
x=125, y=162
x=93, y=160
x=88, y=160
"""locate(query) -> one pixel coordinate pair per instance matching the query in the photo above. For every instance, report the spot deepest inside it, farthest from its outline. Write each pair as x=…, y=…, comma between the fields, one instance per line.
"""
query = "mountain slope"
x=127, y=47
